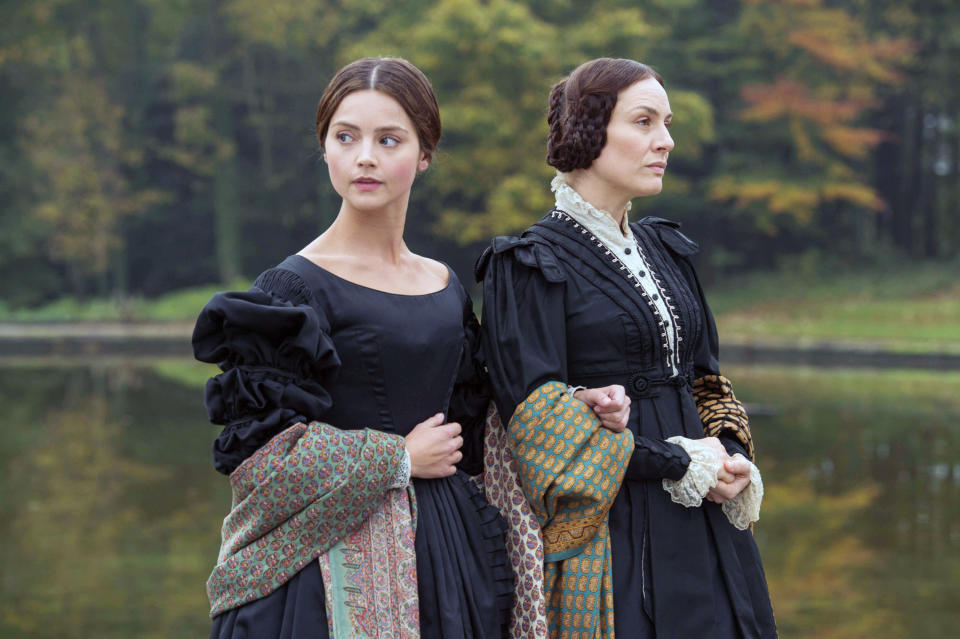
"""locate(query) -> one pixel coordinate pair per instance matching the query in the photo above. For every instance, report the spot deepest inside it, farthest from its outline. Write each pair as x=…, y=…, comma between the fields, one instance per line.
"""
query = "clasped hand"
x=612, y=406
x=434, y=448
x=733, y=476
x=610, y=403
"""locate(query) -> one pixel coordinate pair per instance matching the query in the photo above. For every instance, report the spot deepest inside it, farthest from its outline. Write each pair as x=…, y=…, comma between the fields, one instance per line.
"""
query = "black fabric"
x=288, y=613
x=460, y=554
x=276, y=357
x=557, y=307
x=309, y=345
x=471, y=394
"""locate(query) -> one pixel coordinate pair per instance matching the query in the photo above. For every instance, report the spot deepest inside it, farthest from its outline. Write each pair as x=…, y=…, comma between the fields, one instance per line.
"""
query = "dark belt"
x=640, y=386
x=637, y=385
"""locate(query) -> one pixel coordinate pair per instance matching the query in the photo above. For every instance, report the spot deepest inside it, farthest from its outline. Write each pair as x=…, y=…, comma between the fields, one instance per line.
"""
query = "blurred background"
x=153, y=152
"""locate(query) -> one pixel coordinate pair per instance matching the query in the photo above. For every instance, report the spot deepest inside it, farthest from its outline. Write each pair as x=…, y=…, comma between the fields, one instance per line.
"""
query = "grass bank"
x=903, y=308
x=181, y=305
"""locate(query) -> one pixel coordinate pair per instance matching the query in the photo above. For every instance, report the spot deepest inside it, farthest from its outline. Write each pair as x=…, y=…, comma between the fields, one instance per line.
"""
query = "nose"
x=367, y=155
x=664, y=141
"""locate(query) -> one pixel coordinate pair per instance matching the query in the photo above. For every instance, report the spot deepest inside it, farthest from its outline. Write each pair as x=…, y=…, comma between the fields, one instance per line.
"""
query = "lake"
x=110, y=509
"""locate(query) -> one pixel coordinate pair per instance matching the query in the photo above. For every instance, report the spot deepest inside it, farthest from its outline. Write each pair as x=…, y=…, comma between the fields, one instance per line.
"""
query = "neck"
x=375, y=235
x=598, y=193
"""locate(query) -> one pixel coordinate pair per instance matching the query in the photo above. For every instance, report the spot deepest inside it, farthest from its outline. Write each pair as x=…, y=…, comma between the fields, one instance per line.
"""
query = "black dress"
x=304, y=344
x=557, y=307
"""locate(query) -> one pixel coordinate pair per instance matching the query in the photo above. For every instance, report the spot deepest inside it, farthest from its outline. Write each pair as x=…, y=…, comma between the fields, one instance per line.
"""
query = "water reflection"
x=860, y=530
x=110, y=510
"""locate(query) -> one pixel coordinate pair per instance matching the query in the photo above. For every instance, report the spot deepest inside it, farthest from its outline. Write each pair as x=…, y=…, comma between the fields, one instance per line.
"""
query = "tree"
x=800, y=163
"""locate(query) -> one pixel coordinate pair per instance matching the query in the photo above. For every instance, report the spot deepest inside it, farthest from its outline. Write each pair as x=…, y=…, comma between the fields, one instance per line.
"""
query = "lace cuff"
x=401, y=479
x=701, y=474
x=744, y=509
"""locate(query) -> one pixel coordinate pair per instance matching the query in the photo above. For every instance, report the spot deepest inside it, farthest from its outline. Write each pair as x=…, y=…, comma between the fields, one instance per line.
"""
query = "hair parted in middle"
x=580, y=108
x=395, y=77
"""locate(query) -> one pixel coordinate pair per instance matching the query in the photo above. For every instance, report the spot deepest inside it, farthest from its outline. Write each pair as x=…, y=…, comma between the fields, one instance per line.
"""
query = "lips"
x=657, y=167
x=366, y=183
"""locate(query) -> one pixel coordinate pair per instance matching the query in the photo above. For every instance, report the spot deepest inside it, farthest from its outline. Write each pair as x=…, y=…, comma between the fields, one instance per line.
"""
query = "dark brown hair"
x=395, y=77
x=580, y=108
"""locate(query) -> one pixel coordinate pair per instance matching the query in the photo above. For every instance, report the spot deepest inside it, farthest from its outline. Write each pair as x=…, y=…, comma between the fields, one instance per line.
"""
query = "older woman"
x=631, y=448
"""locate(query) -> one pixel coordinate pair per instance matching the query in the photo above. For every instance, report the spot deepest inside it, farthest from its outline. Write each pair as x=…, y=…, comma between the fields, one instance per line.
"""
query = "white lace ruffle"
x=570, y=200
x=701, y=474
x=402, y=477
x=744, y=509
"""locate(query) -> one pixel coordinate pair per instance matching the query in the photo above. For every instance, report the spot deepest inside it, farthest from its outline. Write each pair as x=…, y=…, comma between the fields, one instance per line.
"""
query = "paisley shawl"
x=524, y=541
x=300, y=494
x=570, y=470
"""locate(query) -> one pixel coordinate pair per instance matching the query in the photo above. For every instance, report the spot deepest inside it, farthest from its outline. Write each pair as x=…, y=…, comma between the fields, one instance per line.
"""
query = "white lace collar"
x=597, y=220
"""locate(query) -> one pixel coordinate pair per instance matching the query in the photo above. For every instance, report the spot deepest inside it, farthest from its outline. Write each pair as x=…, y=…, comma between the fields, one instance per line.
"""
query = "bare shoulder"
x=436, y=268
x=333, y=257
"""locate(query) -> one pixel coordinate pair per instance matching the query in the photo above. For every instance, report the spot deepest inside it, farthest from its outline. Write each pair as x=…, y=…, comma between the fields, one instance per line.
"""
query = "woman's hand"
x=610, y=403
x=732, y=479
x=434, y=448
x=733, y=476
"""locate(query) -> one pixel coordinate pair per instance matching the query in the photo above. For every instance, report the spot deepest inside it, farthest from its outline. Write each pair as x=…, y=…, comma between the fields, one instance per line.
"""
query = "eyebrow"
x=379, y=129
x=649, y=110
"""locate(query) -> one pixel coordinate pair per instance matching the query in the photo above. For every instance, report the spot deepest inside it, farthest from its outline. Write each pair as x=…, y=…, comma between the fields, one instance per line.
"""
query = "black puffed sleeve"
x=523, y=327
x=471, y=393
x=274, y=348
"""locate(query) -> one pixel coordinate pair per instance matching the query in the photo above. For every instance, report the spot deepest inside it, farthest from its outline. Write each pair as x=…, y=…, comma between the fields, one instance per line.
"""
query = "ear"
x=424, y=163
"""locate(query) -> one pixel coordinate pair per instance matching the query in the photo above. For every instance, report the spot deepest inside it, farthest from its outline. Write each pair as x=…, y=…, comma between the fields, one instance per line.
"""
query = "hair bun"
x=580, y=107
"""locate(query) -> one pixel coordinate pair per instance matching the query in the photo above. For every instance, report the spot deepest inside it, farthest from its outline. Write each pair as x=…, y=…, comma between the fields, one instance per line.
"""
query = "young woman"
x=629, y=445
x=351, y=399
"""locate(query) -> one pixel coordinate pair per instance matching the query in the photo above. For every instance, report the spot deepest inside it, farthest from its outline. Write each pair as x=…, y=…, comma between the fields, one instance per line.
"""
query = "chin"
x=648, y=189
x=368, y=205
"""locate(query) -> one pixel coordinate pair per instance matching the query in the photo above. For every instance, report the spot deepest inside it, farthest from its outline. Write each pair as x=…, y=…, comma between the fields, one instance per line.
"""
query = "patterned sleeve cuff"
x=402, y=477
x=720, y=411
x=701, y=474
x=744, y=509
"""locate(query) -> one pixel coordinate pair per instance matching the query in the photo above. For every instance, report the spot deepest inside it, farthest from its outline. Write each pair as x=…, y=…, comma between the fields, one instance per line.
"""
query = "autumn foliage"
x=150, y=146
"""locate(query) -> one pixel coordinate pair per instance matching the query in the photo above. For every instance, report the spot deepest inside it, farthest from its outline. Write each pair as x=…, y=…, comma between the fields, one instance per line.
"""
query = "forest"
x=148, y=146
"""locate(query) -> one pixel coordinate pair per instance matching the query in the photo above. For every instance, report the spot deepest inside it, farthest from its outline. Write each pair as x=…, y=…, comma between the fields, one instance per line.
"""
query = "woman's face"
x=372, y=151
x=634, y=158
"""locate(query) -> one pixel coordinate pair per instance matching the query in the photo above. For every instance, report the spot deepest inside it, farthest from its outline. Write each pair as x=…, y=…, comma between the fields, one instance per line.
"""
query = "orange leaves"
x=777, y=196
x=852, y=142
x=823, y=75
x=824, y=48
x=796, y=199
x=857, y=194
x=813, y=117
x=789, y=98
x=840, y=41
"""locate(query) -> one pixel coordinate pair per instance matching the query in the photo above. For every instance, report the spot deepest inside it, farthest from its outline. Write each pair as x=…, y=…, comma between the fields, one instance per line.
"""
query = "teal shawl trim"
x=293, y=499
x=370, y=576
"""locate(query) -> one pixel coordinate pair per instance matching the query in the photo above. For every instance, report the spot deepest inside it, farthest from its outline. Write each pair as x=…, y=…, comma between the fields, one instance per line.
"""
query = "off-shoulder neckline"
x=448, y=285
